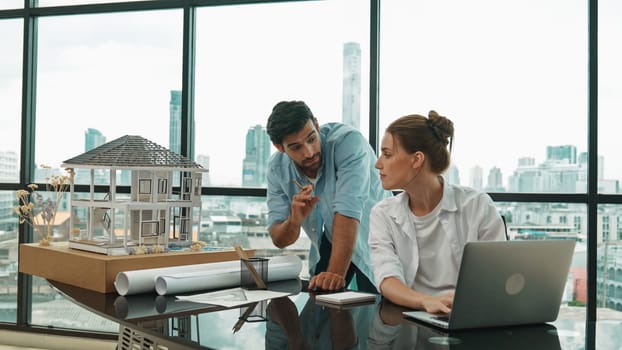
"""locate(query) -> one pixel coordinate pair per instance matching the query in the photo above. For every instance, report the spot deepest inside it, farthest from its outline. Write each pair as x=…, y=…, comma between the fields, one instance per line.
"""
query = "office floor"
x=11, y=340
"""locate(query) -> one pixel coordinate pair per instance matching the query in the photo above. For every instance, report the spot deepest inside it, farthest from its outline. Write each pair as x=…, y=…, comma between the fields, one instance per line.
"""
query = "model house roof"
x=131, y=152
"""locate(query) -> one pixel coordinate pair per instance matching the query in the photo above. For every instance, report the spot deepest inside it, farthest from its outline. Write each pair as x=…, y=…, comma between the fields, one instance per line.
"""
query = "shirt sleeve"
x=277, y=200
x=384, y=260
x=353, y=162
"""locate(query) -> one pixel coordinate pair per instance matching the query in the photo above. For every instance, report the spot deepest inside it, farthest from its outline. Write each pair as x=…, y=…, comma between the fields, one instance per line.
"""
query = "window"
x=10, y=98
x=11, y=4
x=605, y=228
x=144, y=186
x=150, y=228
x=186, y=188
x=75, y=2
x=487, y=65
x=609, y=261
x=8, y=257
x=162, y=185
x=609, y=95
x=316, y=51
x=578, y=222
x=10, y=119
x=98, y=72
x=495, y=74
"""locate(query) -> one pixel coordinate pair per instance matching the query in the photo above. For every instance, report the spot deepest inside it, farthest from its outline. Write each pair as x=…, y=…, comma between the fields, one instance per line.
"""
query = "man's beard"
x=312, y=167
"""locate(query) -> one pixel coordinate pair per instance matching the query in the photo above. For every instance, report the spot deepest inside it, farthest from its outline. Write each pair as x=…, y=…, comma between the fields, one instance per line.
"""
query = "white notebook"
x=347, y=297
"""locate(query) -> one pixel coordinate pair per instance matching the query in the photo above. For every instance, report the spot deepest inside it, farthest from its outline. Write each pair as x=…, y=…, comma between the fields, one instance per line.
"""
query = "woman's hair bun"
x=442, y=127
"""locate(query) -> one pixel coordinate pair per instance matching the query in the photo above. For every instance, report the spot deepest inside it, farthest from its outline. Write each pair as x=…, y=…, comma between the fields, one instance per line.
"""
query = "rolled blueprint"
x=143, y=281
x=187, y=278
x=280, y=268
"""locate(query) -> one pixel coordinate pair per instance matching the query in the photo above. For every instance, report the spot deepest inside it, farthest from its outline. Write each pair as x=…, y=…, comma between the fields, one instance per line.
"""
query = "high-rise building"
x=495, y=181
x=93, y=138
x=203, y=160
x=477, y=177
x=600, y=167
x=255, y=165
x=9, y=172
x=526, y=161
x=561, y=153
x=561, y=172
x=351, y=93
x=174, y=133
x=452, y=175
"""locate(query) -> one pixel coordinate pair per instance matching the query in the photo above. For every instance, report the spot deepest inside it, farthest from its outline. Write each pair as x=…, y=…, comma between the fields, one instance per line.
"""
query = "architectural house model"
x=161, y=210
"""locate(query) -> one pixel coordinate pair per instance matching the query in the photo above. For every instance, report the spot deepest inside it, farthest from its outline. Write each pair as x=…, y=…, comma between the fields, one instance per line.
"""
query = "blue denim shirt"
x=347, y=183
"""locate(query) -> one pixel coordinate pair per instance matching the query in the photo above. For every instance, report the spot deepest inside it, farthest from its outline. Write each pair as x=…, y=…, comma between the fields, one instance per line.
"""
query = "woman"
x=418, y=236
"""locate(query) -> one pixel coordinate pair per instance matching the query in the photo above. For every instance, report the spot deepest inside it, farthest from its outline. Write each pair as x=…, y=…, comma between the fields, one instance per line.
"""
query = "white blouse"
x=465, y=215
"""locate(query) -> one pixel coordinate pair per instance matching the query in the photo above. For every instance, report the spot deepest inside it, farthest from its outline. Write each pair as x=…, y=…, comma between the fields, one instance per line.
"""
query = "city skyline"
x=574, y=167
x=233, y=90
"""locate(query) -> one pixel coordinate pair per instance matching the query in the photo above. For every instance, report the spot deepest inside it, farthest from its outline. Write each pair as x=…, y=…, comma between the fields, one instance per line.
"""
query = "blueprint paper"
x=188, y=278
x=279, y=268
x=233, y=297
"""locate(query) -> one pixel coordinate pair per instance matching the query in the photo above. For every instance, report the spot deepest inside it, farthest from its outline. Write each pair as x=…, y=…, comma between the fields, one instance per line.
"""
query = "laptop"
x=506, y=283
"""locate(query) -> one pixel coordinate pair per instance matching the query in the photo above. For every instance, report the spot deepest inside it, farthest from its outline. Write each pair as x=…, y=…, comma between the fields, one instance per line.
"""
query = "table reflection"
x=391, y=331
x=316, y=327
x=296, y=322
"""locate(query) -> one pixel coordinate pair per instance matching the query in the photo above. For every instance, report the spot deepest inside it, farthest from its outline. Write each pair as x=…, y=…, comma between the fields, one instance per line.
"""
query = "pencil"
x=243, y=318
x=298, y=184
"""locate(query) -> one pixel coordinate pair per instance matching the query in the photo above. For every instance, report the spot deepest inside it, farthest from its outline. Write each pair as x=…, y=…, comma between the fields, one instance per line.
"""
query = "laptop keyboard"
x=442, y=318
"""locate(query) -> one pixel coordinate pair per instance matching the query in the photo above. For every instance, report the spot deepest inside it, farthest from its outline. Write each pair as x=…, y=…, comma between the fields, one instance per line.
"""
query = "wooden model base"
x=97, y=271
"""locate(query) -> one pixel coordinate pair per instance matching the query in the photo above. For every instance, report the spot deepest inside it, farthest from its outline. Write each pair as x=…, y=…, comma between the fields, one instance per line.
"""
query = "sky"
x=512, y=76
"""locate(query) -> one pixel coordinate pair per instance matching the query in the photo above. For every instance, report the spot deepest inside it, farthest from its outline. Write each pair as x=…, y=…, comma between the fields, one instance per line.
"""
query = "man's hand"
x=327, y=281
x=440, y=304
x=302, y=204
x=287, y=232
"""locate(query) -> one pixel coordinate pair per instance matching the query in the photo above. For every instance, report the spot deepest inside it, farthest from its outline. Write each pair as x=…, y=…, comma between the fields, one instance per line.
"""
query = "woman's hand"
x=441, y=304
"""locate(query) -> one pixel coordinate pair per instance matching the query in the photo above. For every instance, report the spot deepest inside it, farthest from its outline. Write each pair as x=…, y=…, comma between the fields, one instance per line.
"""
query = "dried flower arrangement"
x=40, y=212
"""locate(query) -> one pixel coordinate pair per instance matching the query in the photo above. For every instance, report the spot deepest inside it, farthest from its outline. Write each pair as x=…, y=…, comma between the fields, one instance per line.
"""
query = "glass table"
x=152, y=321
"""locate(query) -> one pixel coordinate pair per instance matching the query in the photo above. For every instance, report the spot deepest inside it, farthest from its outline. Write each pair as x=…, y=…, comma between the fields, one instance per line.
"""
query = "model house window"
x=144, y=186
x=185, y=190
x=150, y=228
x=162, y=185
x=106, y=220
x=197, y=187
x=180, y=227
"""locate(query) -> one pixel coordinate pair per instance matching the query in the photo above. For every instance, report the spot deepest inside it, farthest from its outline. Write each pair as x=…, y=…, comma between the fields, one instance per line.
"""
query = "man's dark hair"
x=287, y=117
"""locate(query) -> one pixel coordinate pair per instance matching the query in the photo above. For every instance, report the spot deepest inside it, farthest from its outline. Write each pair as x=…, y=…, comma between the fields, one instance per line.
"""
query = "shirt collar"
x=402, y=210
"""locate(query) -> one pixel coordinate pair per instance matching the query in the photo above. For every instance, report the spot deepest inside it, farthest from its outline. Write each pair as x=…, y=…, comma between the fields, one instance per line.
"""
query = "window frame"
x=30, y=14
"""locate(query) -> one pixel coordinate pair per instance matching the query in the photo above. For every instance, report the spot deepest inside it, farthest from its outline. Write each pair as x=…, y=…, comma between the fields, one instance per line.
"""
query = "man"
x=322, y=180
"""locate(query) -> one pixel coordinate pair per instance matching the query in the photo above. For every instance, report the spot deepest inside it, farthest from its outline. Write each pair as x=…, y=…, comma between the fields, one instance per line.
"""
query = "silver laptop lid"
x=510, y=282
